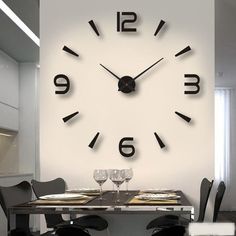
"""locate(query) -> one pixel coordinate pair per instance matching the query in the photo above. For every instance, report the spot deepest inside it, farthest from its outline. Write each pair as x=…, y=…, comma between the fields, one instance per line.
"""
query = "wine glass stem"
x=127, y=183
x=118, y=193
x=113, y=187
x=100, y=191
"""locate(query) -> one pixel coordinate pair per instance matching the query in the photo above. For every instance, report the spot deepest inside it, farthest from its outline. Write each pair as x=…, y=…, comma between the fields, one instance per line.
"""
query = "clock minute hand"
x=110, y=72
x=147, y=69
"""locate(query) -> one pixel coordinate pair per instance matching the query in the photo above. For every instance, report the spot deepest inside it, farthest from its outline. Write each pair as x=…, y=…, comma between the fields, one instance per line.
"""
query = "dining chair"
x=176, y=230
x=218, y=199
x=71, y=230
x=14, y=195
x=57, y=186
x=167, y=221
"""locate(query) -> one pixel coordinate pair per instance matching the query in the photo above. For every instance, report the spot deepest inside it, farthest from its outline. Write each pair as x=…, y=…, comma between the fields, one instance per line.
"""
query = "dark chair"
x=71, y=230
x=171, y=231
x=167, y=221
x=218, y=199
x=59, y=186
x=14, y=195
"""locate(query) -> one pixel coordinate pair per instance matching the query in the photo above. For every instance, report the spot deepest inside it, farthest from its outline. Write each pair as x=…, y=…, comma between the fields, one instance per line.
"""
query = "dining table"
x=128, y=204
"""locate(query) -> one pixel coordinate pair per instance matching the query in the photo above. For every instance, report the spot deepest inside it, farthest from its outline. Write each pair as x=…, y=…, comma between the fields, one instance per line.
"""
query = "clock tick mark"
x=92, y=143
x=94, y=27
x=70, y=51
x=160, y=142
x=187, y=49
x=67, y=118
x=184, y=117
x=159, y=27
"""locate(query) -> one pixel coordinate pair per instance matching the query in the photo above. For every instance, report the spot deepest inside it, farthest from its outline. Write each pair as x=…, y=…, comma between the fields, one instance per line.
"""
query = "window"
x=222, y=134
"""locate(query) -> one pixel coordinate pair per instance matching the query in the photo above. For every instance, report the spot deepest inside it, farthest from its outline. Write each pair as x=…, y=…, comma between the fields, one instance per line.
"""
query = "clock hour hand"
x=147, y=69
x=110, y=72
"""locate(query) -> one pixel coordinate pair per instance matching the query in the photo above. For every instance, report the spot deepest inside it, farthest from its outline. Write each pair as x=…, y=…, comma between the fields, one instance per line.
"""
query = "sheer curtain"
x=222, y=135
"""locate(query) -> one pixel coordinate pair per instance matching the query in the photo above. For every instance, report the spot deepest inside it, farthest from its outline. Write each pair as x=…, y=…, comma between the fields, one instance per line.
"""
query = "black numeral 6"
x=126, y=150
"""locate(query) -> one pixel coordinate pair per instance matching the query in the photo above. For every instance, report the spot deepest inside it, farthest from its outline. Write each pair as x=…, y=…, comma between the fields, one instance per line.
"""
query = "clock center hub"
x=126, y=84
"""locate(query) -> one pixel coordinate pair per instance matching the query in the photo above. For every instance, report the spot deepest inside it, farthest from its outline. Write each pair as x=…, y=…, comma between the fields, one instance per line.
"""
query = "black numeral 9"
x=122, y=24
x=63, y=82
x=123, y=146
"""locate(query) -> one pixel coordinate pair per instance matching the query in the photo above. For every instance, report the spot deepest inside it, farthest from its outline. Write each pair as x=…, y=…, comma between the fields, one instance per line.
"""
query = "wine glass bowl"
x=128, y=177
x=117, y=177
x=100, y=176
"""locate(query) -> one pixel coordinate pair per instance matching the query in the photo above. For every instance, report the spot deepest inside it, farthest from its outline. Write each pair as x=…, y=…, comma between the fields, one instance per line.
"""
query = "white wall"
x=64, y=148
x=226, y=77
x=225, y=43
x=28, y=126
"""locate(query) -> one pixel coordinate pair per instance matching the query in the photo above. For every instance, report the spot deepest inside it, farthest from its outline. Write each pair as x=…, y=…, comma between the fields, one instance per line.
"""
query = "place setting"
x=85, y=191
x=156, y=197
x=62, y=199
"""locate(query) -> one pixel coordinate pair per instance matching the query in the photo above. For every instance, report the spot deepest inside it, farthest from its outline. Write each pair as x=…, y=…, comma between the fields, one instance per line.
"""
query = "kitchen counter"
x=14, y=174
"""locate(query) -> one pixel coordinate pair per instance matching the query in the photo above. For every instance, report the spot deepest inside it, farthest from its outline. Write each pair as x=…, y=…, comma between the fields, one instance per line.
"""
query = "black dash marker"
x=67, y=118
x=188, y=48
x=92, y=24
x=161, y=24
x=68, y=50
x=186, y=118
x=91, y=145
x=162, y=145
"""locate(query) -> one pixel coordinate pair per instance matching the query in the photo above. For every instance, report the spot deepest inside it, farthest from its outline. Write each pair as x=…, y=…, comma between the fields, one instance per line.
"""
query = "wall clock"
x=125, y=24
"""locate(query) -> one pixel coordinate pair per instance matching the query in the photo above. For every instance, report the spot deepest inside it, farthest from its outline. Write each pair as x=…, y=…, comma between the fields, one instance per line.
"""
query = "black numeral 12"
x=122, y=24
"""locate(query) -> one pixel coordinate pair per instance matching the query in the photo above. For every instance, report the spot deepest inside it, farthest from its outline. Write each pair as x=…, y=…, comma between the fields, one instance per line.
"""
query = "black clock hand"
x=126, y=84
x=147, y=69
x=110, y=71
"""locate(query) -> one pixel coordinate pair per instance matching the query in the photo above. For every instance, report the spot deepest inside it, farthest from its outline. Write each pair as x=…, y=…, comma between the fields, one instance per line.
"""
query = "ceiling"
x=13, y=40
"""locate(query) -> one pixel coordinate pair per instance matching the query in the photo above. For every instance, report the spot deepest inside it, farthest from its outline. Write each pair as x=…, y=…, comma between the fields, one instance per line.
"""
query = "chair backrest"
x=50, y=187
x=176, y=230
x=14, y=195
x=205, y=190
x=218, y=199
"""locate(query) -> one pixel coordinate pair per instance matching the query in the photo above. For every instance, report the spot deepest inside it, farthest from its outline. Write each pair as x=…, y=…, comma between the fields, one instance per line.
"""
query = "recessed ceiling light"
x=19, y=22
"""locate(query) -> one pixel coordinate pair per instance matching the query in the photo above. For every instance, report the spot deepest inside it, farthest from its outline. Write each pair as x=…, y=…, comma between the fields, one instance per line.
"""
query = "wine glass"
x=100, y=177
x=128, y=177
x=109, y=173
x=117, y=177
